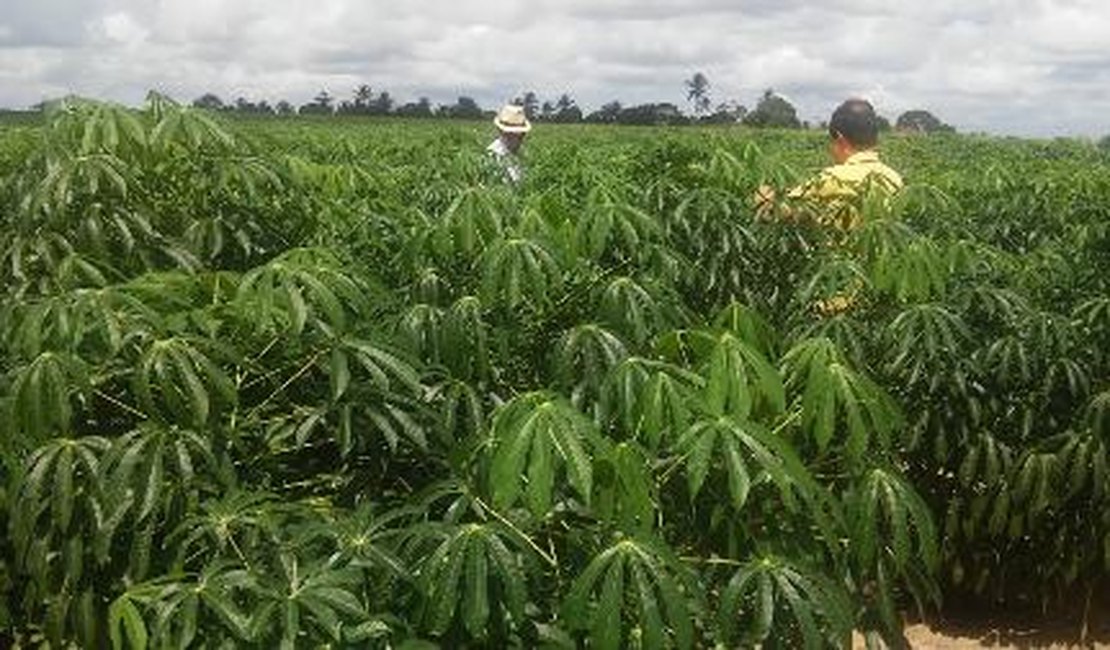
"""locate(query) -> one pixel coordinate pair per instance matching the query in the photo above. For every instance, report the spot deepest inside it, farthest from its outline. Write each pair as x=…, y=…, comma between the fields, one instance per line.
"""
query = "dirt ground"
x=952, y=637
x=967, y=624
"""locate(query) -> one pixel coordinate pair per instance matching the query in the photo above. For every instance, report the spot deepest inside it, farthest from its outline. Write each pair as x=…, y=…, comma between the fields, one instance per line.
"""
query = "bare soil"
x=1014, y=629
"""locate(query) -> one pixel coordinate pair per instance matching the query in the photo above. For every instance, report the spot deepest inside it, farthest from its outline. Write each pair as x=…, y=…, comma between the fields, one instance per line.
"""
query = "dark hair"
x=855, y=119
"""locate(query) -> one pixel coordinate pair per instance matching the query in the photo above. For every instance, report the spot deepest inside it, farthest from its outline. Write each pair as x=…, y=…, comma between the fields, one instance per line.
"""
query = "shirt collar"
x=861, y=157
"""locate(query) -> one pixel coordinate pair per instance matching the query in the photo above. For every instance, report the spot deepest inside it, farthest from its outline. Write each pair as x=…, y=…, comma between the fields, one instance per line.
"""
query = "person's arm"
x=767, y=203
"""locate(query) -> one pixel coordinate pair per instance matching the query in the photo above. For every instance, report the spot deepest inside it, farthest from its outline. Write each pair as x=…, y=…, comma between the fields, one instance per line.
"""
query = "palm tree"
x=363, y=95
x=698, y=93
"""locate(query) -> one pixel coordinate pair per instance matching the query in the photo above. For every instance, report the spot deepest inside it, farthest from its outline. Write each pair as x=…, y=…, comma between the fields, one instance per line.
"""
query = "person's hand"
x=764, y=200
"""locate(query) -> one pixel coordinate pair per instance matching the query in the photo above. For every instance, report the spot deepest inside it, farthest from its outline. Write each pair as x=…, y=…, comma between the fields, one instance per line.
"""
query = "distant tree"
x=209, y=101
x=320, y=105
x=421, y=108
x=773, y=110
x=1104, y=143
x=531, y=104
x=547, y=112
x=697, y=93
x=384, y=103
x=921, y=121
x=652, y=114
x=363, y=95
x=465, y=108
x=884, y=124
x=726, y=113
x=566, y=110
x=608, y=114
x=284, y=108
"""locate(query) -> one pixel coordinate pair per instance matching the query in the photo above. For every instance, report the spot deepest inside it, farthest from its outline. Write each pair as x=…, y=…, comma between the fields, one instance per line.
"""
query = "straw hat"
x=511, y=119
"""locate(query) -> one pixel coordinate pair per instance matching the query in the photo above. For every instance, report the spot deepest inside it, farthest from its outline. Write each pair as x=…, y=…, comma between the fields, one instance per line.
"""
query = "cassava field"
x=332, y=383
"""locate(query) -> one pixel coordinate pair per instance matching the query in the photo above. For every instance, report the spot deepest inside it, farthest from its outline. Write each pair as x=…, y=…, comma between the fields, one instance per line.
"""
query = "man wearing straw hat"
x=512, y=125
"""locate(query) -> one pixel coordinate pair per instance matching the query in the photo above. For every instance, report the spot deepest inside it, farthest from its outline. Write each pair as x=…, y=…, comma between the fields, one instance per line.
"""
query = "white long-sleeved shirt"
x=507, y=159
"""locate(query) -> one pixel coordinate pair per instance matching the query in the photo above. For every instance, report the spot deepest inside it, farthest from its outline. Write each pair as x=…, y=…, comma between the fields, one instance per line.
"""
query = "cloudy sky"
x=1027, y=67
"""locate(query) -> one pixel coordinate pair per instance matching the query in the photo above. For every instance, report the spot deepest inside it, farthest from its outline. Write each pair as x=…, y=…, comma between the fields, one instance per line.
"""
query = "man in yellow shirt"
x=833, y=196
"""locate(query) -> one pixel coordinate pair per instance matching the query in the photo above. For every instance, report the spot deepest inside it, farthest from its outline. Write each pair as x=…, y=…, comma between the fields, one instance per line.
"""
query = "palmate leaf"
x=1096, y=416
x=608, y=225
x=744, y=451
x=30, y=261
x=740, y=382
x=466, y=340
x=354, y=360
x=636, y=583
x=155, y=471
x=365, y=537
x=123, y=614
x=1083, y=463
x=885, y=512
x=179, y=128
x=533, y=436
x=305, y=600
x=909, y=266
x=630, y=309
x=70, y=176
x=177, y=609
x=712, y=225
x=1009, y=361
x=987, y=462
x=835, y=398
x=893, y=545
x=518, y=271
x=584, y=355
x=1033, y=486
x=471, y=575
x=917, y=273
x=924, y=338
x=110, y=128
x=176, y=380
x=96, y=322
x=749, y=326
x=59, y=494
x=851, y=336
x=626, y=493
x=422, y=328
x=994, y=306
x=237, y=520
x=835, y=286
x=461, y=411
x=1068, y=378
x=366, y=416
x=57, y=515
x=651, y=401
x=776, y=602
x=687, y=347
x=42, y=394
x=300, y=287
x=247, y=175
x=222, y=240
x=472, y=221
x=1094, y=316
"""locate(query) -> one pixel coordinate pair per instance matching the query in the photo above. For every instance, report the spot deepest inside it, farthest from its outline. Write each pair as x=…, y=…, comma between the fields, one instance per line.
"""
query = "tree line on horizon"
x=771, y=109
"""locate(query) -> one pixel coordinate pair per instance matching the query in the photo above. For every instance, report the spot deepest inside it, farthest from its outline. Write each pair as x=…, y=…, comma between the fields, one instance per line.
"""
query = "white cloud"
x=983, y=65
x=119, y=29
